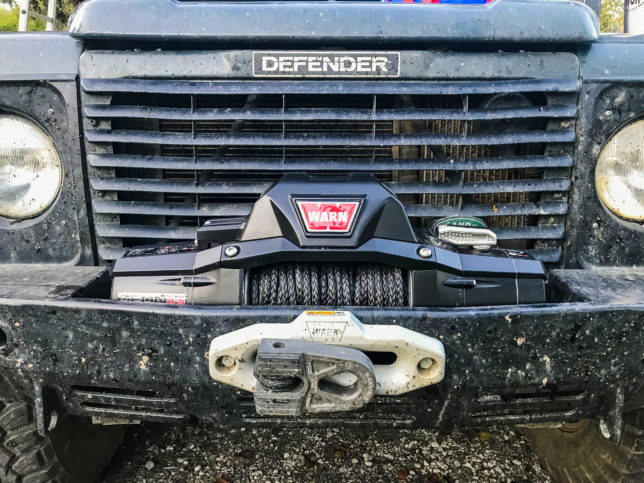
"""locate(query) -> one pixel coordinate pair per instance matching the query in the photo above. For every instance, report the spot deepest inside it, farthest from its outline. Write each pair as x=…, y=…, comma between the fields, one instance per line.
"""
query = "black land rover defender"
x=322, y=213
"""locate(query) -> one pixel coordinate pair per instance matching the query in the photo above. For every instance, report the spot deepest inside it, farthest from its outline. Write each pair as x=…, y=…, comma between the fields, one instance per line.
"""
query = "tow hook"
x=296, y=377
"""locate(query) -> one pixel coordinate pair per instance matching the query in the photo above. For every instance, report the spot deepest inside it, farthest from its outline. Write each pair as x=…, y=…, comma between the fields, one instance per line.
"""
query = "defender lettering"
x=326, y=64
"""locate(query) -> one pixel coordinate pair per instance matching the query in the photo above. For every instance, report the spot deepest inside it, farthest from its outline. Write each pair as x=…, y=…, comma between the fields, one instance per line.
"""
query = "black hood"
x=341, y=23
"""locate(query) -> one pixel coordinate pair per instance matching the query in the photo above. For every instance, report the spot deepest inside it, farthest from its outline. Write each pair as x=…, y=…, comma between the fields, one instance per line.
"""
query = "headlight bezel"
x=609, y=206
x=62, y=233
x=51, y=201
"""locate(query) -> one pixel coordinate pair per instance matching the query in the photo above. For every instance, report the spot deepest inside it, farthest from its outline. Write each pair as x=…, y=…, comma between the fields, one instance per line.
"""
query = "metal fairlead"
x=296, y=377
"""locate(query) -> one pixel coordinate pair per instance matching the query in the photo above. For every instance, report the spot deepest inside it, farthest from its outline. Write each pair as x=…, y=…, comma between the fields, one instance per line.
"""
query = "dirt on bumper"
x=504, y=364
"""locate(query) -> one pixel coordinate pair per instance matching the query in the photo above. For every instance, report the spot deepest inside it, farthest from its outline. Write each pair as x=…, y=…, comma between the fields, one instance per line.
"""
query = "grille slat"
x=172, y=209
x=115, y=230
x=518, y=186
x=232, y=87
x=546, y=232
x=166, y=155
x=257, y=188
x=507, y=209
x=168, y=186
x=99, y=111
x=325, y=164
x=243, y=209
x=306, y=139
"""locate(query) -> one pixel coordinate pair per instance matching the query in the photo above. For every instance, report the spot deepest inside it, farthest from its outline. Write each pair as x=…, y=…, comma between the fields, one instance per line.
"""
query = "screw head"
x=424, y=252
x=426, y=363
x=227, y=361
x=231, y=251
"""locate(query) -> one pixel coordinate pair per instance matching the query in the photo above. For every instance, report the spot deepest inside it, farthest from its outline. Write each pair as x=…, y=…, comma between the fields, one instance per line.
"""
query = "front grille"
x=164, y=155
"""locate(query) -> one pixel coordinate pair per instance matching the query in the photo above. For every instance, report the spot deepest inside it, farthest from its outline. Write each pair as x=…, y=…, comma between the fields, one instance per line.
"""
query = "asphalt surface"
x=158, y=453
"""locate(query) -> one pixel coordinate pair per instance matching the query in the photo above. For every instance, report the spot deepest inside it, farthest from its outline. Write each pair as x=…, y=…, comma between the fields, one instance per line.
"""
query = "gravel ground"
x=156, y=453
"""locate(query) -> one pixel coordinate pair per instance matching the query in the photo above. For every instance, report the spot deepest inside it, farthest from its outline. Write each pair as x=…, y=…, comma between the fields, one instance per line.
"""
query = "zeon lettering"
x=325, y=64
x=328, y=216
x=157, y=298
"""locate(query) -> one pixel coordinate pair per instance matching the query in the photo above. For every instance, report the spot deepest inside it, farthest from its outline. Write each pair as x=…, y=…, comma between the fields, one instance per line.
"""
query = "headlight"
x=619, y=175
x=30, y=169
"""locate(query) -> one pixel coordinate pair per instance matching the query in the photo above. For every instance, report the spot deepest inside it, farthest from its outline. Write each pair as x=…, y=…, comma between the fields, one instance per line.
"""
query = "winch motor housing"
x=328, y=241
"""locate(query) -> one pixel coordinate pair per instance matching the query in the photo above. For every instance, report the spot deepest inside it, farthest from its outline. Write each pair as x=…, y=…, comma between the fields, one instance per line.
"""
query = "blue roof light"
x=458, y=2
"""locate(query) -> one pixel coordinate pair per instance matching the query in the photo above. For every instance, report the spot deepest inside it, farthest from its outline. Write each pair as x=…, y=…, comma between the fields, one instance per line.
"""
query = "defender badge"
x=328, y=216
x=326, y=64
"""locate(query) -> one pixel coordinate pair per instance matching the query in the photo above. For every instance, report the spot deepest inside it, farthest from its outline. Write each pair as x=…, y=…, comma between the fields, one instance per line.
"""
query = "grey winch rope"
x=366, y=284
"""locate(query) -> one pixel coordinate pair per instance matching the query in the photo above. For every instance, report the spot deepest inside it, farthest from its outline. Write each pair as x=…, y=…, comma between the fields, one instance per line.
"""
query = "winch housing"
x=278, y=256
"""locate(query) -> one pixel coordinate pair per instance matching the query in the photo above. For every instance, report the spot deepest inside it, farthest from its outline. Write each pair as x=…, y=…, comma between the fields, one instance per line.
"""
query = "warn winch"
x=329, y=241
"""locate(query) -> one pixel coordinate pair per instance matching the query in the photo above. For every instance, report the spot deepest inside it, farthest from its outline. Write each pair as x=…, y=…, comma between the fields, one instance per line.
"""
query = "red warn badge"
x=328, y=216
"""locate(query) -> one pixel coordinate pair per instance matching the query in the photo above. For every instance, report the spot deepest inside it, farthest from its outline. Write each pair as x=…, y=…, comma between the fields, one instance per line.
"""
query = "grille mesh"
x=164, y=156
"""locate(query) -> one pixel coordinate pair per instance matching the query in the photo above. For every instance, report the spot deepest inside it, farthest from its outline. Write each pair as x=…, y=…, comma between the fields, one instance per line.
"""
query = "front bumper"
x=531, y=363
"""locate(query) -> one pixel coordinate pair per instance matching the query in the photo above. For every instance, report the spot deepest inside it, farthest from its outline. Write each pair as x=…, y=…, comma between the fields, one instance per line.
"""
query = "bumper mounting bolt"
x=227, y=361
x=424, y=252
x=231, y=251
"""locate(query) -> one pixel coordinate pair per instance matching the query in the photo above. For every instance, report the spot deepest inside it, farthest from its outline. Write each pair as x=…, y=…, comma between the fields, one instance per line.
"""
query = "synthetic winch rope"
x=365, y=284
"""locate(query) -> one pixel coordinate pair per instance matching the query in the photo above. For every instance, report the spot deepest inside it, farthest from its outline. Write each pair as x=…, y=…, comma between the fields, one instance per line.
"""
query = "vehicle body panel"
x=577, y=356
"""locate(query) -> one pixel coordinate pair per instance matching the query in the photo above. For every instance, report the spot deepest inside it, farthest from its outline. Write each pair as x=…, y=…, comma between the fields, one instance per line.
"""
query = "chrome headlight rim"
x=610, y=205
x=46, y=208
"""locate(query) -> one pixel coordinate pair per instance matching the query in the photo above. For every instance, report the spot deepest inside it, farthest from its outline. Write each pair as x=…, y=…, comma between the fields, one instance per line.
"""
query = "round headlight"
x=30, y=169
x=619, y=175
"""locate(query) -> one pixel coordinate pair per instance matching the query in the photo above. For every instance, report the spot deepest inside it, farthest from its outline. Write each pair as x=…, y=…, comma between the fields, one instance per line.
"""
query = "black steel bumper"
x=66, y=348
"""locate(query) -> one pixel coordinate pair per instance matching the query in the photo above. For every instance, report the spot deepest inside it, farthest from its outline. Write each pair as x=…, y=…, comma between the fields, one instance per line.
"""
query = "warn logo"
x=328, y=216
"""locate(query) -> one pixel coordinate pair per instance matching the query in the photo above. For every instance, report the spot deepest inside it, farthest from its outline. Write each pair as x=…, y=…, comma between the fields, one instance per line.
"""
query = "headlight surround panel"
x=58, y=233
x=596, y=235
x=30, y=168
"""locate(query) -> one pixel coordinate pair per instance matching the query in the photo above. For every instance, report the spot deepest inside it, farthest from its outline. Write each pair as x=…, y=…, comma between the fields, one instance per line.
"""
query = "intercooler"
x=165, y=155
